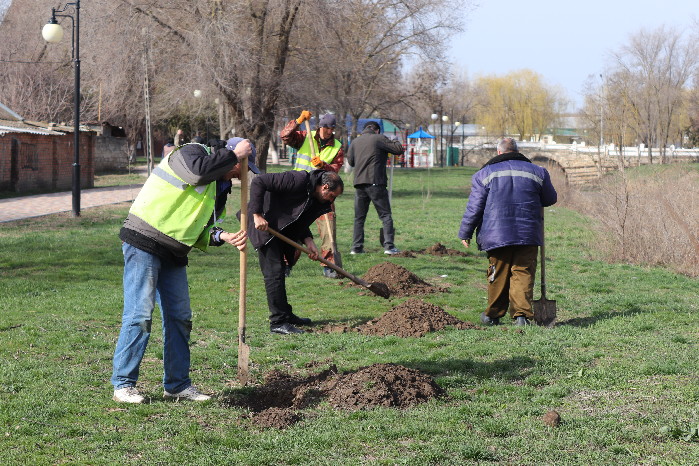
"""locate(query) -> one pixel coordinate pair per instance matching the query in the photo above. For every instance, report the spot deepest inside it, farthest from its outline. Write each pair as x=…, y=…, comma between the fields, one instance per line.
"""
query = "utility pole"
x=146, y=98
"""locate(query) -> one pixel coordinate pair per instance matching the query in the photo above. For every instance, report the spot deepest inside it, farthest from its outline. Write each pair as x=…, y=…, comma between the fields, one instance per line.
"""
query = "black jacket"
x=368, y=154
x=286, y=201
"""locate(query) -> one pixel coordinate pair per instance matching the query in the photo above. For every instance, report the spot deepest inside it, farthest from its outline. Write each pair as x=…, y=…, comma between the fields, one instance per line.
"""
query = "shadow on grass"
x=599, y=315
x=510, y=369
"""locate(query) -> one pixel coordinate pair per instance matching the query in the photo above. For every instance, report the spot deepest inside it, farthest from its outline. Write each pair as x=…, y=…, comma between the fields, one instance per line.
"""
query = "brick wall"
x=111, y=153
x=34, y=162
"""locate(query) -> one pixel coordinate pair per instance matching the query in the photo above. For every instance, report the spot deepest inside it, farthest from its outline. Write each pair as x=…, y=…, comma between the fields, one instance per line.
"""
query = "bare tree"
x=652, y=72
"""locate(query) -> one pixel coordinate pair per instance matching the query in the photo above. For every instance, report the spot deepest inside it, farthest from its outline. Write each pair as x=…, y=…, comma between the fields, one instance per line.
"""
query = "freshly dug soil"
x=413, y=318
x=276, y=418
x=387, y=385
x=400, y=281
x=438, y=249
x=274, y=403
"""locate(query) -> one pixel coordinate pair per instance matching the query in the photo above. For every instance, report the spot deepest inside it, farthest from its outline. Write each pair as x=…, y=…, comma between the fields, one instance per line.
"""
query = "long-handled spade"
x=377, y=288
x=544, y=309
x=326, y=217
x=243, y=348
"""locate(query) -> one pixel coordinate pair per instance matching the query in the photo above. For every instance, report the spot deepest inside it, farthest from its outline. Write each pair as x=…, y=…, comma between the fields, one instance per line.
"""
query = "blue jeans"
x=147, y=280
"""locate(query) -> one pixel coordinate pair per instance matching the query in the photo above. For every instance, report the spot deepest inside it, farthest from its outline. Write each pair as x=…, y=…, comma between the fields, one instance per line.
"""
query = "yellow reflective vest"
x=327, y=155
x=175, y=208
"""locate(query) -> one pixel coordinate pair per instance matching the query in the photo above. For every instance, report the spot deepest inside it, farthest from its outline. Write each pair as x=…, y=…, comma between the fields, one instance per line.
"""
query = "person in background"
x=289, y=202
x=504, y=209
x=368, y=154
x=180, y=138
x=178, y=208
x=330, y=157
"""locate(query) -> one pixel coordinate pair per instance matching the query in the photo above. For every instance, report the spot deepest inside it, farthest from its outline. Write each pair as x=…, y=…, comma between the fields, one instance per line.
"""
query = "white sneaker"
x=127, y=395
x=392, y=251
x=189, y=393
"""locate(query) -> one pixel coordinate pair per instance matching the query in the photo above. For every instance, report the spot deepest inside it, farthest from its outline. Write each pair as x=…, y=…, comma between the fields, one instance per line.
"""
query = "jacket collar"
x=506, y=156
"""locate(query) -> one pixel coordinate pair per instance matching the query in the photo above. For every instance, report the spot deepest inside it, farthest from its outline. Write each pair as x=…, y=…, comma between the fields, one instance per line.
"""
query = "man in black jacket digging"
x=289, y=202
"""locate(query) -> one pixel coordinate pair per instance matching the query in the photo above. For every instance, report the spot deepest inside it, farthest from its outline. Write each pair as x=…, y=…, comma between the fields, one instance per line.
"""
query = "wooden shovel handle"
x=543, y=258
x=326, y=262
x=243, y=254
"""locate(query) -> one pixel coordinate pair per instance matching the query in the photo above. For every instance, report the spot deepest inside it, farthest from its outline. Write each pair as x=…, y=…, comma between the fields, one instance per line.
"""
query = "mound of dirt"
x=274, y=403
x=387, y=385
x=400, y=281
x=413, y=318
x=276, y=418
x=438, y=249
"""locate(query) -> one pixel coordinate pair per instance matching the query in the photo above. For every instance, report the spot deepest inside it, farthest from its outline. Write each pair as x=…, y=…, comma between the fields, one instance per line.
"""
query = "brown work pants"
x=511, y=281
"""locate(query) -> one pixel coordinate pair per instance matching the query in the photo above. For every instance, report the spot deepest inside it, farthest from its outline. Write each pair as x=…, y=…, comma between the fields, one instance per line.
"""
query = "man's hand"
x=243, y=149
x=305, y=115
x=238, y=239
x=466, y=242
x=311, y=247
x=260, y=222
x=316, y=162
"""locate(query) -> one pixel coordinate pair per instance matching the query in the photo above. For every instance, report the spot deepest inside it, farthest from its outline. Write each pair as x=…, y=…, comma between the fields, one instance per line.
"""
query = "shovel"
x=544, y=309
x=377, y=288
x=331, y=233
x=243, y=348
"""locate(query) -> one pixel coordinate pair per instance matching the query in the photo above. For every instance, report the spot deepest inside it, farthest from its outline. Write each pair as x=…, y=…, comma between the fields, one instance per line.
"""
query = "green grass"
x=620, y=368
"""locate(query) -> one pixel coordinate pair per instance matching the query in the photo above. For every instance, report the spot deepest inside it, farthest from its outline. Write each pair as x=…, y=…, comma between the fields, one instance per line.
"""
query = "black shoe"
x=357, y=251
x=284, y=329
x=522, y=321
x=328, y=272
x=296, y=320
x=287, y=271
x=489, y=321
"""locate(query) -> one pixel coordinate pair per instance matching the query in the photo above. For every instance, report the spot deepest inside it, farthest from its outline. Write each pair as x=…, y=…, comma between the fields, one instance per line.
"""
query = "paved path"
x=45, y=204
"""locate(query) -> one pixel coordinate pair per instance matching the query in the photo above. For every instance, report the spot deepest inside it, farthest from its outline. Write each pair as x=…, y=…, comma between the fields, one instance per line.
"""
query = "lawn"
x=620, y=367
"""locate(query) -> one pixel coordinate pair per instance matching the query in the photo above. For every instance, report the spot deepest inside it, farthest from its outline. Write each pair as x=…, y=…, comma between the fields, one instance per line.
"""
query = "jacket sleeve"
x=548, y=192
x=197, y=168
x=392, y=147
x=350, y=156
x=473, y=216
x=291, y=136
x=336, y=164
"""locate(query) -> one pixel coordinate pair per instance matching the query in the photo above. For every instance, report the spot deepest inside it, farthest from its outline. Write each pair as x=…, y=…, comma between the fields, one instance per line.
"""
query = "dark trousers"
x=272, y=264
x=511, y=281
x=363, y=196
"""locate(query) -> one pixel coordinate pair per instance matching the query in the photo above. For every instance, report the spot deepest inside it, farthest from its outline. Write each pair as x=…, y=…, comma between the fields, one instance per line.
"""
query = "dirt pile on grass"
x=400, y=281
x=387, y=385
x=438, y=249
x=276, y=403
x=413, y=318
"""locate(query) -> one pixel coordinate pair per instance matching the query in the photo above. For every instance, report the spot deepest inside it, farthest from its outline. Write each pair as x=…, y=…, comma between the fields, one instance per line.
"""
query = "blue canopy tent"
x=417, y=149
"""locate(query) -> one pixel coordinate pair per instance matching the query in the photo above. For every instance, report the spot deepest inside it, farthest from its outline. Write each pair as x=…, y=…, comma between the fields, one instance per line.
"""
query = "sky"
x=565, y=42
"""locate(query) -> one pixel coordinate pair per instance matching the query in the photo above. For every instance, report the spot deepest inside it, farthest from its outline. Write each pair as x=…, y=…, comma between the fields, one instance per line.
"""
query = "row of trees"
x=256, y=62
x=649, y=94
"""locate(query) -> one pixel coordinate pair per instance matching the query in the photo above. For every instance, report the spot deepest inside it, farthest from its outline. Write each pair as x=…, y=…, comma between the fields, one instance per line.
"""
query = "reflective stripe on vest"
x=173, y=207
x=327, y=155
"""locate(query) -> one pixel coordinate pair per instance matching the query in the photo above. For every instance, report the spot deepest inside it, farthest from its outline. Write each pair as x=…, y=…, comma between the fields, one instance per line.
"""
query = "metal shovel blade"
x=243, y=358
x=545, y=312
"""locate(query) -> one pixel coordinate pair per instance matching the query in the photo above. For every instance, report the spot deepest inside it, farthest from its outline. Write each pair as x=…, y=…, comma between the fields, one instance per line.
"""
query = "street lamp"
x=456, y=126
x=53, y=33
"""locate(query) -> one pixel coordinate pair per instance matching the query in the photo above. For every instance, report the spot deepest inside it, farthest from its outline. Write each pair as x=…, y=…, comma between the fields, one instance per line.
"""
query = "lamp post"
x=456, y=126
x=53, y=33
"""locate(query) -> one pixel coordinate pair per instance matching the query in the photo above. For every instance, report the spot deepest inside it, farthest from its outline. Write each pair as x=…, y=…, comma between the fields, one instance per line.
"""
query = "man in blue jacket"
x=504, y=209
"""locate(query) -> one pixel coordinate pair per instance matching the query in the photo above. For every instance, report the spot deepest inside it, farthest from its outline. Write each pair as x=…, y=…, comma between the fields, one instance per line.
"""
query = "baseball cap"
x=230, y=145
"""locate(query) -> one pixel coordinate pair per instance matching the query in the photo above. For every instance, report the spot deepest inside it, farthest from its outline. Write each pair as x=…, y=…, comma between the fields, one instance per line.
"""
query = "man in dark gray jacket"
x=368, y=155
